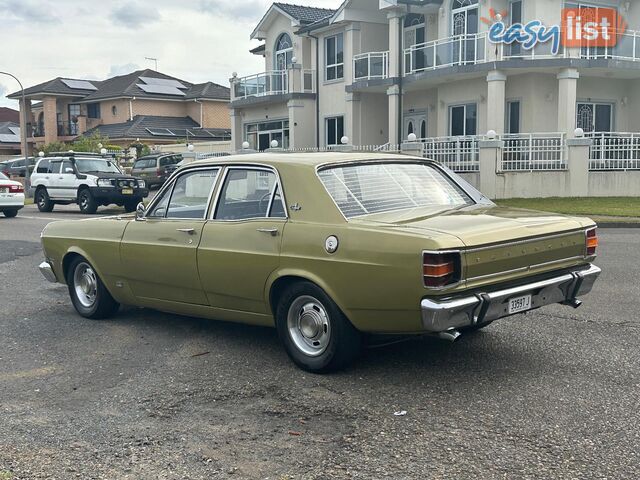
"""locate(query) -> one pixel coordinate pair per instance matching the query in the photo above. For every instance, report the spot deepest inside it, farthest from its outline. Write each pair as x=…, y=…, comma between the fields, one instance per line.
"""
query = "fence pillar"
x=490, y=152
x=578, y=166
x=412, y=148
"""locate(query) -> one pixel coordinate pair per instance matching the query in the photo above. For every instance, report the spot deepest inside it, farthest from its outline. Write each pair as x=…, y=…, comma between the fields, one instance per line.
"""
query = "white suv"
x=85, y=179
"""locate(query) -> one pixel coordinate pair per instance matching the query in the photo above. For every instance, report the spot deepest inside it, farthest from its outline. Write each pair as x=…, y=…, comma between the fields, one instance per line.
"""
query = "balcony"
x=476, y=49
x=276, y=82
x=370, y=66
x=36, y=130
x=68, y=129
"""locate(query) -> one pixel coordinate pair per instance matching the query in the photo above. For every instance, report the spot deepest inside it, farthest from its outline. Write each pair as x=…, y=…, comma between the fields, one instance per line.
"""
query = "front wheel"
x=316, y=334
x=86, y=202
x=10, y=213
x=43, y=201
x=88, y=294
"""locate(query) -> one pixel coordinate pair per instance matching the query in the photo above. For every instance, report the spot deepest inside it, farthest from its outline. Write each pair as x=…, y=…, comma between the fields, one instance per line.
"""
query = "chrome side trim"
x=525, y=269
x=464, y=311
x=525, y=241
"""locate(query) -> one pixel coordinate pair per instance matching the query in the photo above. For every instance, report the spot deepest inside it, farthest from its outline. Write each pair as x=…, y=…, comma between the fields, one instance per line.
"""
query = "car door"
x=159, y=254
x=240, y=246
x=67, y=181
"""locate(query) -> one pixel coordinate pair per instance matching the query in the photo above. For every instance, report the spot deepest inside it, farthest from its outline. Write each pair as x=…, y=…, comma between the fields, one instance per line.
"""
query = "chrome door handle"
x=188, y=231
x=271, y=231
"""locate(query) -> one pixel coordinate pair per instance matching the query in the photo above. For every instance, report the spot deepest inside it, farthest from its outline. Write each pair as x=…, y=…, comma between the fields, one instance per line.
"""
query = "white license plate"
x=127, y=191
x=4, y=190
x=519, y=304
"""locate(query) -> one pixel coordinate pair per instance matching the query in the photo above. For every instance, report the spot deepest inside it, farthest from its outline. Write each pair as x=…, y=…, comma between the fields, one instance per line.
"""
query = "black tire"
x=474, y=328
x=91, y=300
x=44, y=203
x=130, y=206
x=324, y=339
x=86, y=202
x=10, y=213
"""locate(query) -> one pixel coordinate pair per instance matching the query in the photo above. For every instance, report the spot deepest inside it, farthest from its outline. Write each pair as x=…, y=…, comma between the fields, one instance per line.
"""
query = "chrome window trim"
x=250, y=166
x=171, y=183
x=373, y=161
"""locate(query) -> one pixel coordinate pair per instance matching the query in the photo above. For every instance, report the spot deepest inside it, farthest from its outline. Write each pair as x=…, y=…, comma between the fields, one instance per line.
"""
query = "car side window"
x=54, y=166
x=188, y=197
x=66, y=166
x=139, y=164
x=43, y=166
x=248, y=194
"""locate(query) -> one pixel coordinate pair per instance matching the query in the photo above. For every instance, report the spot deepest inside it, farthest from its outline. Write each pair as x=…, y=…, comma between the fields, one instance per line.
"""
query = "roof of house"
x=9, y=133
x=148, y=127
x=303, y=13
x=135, y=84
x=9, y=115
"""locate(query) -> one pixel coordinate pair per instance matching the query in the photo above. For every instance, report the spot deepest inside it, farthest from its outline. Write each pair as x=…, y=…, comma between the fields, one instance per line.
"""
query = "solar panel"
x=160, y=132
x=8, y=138
x=79, y=84
x=162, y=82
x=162, y=90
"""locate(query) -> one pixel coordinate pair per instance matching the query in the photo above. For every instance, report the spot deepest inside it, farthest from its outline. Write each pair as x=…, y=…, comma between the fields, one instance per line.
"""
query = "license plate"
x=519, y=304
x=127, y=191
x=4, y=190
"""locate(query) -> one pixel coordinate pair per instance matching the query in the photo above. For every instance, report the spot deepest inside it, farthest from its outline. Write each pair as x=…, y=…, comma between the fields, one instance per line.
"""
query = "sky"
x=197, y=41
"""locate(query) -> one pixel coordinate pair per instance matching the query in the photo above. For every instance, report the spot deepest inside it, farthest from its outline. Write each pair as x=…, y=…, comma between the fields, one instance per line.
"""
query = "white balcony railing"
x=533, y=152
x=371, y=65
x=614, y=151
x=476, y=49
x=276, y=82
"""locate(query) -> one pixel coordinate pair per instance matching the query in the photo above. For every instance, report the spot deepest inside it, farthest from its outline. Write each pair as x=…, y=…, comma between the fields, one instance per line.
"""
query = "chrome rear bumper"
x=47, y=272
x=465, y=311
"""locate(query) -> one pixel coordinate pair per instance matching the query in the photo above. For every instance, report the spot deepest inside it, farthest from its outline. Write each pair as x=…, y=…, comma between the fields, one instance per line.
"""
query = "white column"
x=496, y=87
x=567, y=98
x=394, y=105
x=353, y=120
x=237, y=135
x=395, y=45
x=351, y=48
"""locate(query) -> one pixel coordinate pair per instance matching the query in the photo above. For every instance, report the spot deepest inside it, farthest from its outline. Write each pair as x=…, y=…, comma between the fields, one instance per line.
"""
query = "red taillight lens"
x=592, y=241
x=16, y=189
x=440, y=269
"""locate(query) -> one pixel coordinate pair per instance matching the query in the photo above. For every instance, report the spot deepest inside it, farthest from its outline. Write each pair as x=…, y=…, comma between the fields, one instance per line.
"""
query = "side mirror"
x=140, y=211
x=68, y=170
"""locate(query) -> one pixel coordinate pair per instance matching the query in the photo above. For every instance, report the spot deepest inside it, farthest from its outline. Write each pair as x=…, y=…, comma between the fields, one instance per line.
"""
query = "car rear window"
x=370, y=188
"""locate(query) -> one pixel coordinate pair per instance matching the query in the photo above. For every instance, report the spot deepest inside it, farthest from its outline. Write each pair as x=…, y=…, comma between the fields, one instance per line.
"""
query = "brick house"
x=67, y=108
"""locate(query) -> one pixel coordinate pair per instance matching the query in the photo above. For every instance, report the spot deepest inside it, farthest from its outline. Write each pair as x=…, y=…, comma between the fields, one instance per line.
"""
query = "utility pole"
x=23, y=135
x=155, y=60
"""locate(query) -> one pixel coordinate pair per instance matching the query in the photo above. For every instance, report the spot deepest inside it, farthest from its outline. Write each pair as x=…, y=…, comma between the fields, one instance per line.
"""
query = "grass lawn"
x=594, y=207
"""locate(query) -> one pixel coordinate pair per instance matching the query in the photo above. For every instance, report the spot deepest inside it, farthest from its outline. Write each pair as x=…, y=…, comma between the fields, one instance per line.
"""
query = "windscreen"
x=91, y=165
x=366, y=189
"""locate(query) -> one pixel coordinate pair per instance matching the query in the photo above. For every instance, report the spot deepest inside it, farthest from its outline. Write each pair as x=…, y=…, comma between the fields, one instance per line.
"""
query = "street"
x=549, y=394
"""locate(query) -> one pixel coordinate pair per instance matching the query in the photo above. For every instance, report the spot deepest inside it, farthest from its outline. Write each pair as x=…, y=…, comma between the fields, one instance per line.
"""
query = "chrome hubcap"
x=309, y=326
x=85, y=284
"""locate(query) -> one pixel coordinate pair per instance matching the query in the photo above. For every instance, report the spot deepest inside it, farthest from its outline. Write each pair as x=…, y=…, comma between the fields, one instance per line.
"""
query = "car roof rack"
x=75, y=154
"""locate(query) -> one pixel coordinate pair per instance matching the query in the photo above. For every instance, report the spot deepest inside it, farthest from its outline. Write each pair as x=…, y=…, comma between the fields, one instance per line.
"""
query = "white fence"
x=614, y=151
x=460, y=154
x=533, y=152
x=204, y=156
x=276, y=82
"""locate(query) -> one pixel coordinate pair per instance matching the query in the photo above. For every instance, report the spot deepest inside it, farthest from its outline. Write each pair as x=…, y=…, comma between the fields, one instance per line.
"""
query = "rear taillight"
x=159, y=172
x=13, y=188
x=440, y=269
x=592, y=241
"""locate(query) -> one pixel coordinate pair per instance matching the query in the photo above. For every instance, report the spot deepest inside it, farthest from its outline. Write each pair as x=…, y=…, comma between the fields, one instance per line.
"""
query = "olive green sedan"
x=326, y=247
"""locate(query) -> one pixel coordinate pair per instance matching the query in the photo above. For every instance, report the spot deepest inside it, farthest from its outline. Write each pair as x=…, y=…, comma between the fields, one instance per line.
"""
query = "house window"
x=335, y=130
x=334, y=57
x=515, y=16
x=464, y=26
x=74, y=113
x=260, y=135
x=415, y=33
x=595, y=117
x=114, y=110
x=513, y=117
x=93, y=110
x=463, y=120
x=284, y=52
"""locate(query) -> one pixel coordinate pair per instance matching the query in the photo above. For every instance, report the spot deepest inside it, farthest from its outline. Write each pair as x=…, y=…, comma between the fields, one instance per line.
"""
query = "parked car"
x=89, y=181
x=325, y=247
x=11, y=196
x=155, y=169
x=16, y=168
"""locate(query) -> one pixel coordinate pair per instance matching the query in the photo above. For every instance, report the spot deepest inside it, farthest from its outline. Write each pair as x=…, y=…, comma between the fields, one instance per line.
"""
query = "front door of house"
x=416, y=123
x=595, y=117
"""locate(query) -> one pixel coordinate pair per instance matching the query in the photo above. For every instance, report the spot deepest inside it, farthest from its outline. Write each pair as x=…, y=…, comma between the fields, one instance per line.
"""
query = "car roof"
x=314, y=160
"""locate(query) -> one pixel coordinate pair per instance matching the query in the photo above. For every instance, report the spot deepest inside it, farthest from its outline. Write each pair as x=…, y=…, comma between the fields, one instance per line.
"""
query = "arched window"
x=423, y=129
x=410, y=128
x=463, y=3
x=465, y=16
x=284, y=52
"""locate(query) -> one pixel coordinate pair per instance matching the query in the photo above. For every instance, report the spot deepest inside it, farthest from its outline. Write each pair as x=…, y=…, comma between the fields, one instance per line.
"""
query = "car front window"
x=188, y=196
x=86, y=165
x=372, y=188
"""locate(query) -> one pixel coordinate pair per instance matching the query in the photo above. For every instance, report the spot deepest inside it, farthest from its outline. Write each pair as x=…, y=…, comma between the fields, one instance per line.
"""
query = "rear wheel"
x=316, y=334
x=10, y=213
x=43, y=201
x=86, y=202
x=90, y=297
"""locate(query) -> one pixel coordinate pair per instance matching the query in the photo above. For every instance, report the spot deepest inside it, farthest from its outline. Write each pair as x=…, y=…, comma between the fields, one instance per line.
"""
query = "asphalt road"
x=551, y=394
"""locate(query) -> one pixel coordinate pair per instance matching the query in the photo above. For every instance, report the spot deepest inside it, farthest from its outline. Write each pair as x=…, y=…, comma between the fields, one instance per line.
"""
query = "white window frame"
x=465, y=105
x=507, y=117
x=594, y=104
x=337, y=64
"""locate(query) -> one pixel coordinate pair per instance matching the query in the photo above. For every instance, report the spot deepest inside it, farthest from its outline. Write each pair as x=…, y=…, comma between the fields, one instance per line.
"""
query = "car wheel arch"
x=75, y=252
x=282, y=280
